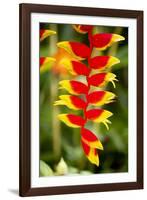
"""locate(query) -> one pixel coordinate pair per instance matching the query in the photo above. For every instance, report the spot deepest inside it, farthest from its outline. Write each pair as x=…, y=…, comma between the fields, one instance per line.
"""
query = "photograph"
x=83, y=99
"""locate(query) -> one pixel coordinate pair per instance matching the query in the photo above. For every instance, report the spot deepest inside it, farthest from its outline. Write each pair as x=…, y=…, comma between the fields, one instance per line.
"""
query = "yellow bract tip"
x=65, y=100
x=47, y=33
x=100, y=146
x=113, y=61
x=103, y=118
x=62, y=44
x=59, y=102
x=111, y=77
x=51, y=32
x=67, y=47
x=77, y=28
x=117, y=38
x=48, y=63
x=110, y=97
x=106, y=122
x=92, y=157
x=51, y=59
x=64, y=118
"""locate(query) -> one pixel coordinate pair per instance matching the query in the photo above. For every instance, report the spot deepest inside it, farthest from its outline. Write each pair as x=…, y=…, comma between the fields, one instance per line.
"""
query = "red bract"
x=72, y=120
x=100, y=98
x=73, y=87
x=103, y=62
x=79, y=87
x=97, y=79
x=101, y=79
x=42, y=59
x=79, y=68
x=86, y=28
x=103, y=40
x=94, y=113
x=80, y=49
x=82, y=28
x=79, y=103
x=72, y=102
x=89, y=138
x=76, y=120
x=95, y=96
x=90, y=143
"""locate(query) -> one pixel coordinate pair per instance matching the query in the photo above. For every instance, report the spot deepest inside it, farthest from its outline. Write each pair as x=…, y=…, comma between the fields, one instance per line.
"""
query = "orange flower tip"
x=44, y=33
x=67, y=64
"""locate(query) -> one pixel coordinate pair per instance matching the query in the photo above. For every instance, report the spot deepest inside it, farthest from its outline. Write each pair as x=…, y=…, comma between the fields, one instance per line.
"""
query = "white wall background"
x=9, y=86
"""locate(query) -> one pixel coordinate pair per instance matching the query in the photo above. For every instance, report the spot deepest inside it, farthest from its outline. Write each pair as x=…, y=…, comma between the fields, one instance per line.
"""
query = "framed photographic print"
x=81, y=99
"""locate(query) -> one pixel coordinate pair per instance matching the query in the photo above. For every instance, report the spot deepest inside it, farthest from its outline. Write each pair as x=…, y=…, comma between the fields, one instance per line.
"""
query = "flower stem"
x=88, y=85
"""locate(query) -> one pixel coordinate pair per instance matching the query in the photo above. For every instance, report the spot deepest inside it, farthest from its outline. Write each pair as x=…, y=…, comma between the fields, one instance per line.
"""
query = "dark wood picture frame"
x=25, y=99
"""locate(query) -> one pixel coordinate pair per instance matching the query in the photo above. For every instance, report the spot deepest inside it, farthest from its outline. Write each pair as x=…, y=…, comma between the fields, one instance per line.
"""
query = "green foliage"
x=45, y=170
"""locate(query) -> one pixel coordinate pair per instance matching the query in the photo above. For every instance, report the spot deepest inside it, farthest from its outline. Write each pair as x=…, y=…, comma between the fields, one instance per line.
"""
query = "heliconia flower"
x=62, y=57
x=101, y=79
x=103, y=62
x=99, y=115
x=72, y=120
x=78, y=50
x=73, y=102
x=103, y=40
x=90, y=144
x=46, y=63
x=82, y=28
x=91, y=153
x=99, y=98
x=73, y=87
x=75, y=67
x=90, y=139
x=44, y=33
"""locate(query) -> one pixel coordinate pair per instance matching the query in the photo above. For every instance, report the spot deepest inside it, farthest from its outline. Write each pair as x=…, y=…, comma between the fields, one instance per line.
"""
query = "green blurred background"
x=60, y=147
